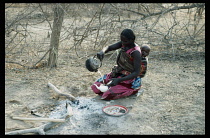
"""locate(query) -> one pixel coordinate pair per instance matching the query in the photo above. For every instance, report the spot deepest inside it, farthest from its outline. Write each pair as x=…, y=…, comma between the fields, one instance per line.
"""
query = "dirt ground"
x=173, y=101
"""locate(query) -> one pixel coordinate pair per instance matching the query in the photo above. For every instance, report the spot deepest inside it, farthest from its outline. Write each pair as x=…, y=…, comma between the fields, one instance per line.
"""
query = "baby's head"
x=145, y=49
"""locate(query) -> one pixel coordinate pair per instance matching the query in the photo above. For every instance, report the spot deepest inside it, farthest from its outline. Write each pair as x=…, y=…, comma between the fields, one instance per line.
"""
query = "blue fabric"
x=101, y=79
x=136, y=83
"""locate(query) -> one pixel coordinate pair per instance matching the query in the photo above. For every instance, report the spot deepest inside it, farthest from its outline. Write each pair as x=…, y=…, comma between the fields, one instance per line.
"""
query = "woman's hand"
x=114, y=82
x=100, y=55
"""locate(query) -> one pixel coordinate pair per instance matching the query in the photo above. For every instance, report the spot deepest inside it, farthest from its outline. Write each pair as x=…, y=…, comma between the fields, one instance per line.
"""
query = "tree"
x=176, y=26
x=55, y=36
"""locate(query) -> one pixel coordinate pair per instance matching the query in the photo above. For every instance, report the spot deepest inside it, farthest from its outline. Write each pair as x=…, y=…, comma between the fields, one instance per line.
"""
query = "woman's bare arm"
x=112, y=47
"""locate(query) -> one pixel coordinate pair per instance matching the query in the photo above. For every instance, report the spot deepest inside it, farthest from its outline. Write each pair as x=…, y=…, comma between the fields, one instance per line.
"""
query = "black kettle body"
x=93, y=64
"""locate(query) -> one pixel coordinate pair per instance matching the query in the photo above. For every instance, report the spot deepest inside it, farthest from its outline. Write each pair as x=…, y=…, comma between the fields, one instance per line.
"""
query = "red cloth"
x=121, y=90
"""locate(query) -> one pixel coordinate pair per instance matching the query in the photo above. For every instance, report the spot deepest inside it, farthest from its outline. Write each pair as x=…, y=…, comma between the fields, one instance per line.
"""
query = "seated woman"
x=125, y=78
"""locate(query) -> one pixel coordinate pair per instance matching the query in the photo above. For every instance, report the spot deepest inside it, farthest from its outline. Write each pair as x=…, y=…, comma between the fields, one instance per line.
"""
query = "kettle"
x=93, y=64
x=102, y=87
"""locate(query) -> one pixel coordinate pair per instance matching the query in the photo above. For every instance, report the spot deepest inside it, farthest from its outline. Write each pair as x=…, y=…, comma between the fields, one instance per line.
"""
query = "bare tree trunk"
x=54, y=42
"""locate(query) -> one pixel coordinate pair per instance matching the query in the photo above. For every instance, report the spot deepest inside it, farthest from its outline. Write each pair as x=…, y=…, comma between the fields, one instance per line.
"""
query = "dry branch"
x=45, y=17
x=39, y=119
x=17, y=63
x=43, y=128
x=69, y=96
x=20, y=17
x=164, y=11
x=69, y=110
x=34, y=66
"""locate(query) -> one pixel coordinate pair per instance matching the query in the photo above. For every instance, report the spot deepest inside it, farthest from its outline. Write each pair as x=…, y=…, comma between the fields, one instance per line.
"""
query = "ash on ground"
x=88, y=118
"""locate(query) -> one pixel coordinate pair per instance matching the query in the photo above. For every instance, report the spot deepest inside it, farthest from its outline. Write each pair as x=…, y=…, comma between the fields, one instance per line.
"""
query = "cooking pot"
x=93, y=64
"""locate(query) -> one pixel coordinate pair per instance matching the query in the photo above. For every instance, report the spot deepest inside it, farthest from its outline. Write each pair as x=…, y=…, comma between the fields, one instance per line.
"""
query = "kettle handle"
x=97, y=58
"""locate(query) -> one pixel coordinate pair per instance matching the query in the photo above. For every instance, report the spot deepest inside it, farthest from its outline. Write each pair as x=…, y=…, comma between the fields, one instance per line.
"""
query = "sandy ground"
x=173, y=101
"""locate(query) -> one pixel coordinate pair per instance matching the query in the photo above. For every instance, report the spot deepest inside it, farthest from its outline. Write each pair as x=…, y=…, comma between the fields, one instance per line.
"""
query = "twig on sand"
x=39, y=119
x=69, y=96
x=43, y=128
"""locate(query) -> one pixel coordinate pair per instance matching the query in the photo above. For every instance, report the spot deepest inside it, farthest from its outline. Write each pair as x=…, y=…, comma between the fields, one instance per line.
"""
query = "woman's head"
x=128, y=33
x=127, y=37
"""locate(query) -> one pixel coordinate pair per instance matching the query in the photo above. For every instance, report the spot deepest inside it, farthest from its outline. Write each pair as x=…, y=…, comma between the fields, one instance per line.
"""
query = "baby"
x=145, y=49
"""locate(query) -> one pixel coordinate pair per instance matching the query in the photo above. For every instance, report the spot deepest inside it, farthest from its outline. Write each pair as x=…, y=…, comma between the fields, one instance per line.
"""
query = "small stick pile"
x=53, y=122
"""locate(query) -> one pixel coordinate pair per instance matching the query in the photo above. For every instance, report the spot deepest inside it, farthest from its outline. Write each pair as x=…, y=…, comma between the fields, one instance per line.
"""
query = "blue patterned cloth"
x=136, y=83
x=101, y=79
